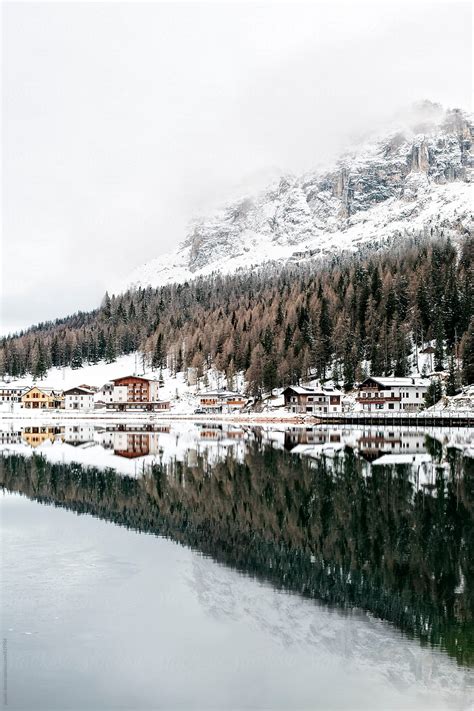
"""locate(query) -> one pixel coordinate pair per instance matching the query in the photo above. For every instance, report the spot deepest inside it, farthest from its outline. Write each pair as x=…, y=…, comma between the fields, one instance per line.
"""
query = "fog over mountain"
x=413, y=178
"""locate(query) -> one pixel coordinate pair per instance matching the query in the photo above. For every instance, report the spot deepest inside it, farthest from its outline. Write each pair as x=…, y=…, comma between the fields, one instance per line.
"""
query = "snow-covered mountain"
x=413, y=178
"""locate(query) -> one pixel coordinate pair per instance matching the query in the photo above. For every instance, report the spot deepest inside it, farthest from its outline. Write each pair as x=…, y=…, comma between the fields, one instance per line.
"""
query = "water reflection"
x=379, y=520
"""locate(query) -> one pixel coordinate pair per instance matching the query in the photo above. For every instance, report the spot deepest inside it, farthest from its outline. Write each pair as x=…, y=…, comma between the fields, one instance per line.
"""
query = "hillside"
x=413, y=178
x=370, y=312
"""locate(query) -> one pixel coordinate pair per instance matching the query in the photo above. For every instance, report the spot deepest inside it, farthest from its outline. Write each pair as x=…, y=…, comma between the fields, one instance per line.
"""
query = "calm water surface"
x=206, y=566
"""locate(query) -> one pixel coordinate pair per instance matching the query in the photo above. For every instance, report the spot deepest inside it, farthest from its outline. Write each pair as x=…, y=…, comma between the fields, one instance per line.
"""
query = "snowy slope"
x=407, y=181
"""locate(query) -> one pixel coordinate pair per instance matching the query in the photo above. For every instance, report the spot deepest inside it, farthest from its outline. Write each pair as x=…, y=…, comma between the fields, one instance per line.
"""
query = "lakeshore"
x=442, y=418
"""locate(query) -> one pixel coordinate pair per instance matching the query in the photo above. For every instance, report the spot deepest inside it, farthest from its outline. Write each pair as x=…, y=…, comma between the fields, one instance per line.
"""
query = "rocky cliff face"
x=410, y=179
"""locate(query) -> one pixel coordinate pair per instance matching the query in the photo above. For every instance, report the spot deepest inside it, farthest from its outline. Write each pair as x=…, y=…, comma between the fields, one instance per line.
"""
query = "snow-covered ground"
x=184, y=398
x=462, y=402
x=97, y=375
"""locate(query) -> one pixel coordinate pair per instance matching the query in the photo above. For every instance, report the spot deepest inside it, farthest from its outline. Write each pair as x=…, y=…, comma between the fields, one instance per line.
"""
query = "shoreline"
x=441, y=419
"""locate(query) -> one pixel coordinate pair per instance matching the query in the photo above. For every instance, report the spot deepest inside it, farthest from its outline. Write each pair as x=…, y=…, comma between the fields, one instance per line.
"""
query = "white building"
x=392, y=394
x=78, y=434
x=104, y=395
x=10, y=393
x=78, y=399
x=221, y=401
x=313, y=400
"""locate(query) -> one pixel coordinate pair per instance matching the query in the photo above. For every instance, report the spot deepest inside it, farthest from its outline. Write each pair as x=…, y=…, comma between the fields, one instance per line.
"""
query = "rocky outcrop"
x=385, y=186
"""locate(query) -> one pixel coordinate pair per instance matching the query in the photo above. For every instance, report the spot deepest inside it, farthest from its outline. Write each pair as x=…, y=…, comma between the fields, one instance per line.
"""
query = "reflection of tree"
x=374, y=541
x=434, y=448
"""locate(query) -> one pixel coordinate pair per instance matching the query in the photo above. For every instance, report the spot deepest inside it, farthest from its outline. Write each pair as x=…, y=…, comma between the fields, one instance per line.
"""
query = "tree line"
x=343, y=318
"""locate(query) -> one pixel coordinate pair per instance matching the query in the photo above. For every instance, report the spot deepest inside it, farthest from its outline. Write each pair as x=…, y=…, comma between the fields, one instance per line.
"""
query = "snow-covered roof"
x=220, y=393
x=399, y=382
x=137, y=377
x=79, y=390
x=46, y=390
x=320, y=390
x=402, y=459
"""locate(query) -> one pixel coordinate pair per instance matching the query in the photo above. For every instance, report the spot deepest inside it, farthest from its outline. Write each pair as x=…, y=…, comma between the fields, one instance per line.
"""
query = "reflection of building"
x=136, y=393
x=312, y=401
x=34, y=436
x=8, y=393
x=309, y=436
x=392, y=394
x=78, y=434
x=131, y=443
x=220, y=401
x=211, y=432
x=374, y=444
x=42, y=399
x=78, y=399
x=10, y=437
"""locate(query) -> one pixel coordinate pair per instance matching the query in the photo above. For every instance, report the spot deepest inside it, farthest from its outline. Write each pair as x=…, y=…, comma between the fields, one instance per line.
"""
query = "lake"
x=206, y=566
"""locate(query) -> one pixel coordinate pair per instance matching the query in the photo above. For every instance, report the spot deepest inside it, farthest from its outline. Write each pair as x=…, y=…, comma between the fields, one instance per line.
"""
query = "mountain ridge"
x=413, y=178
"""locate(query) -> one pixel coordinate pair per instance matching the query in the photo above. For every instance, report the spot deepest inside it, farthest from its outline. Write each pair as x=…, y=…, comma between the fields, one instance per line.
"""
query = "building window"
x=390, y=405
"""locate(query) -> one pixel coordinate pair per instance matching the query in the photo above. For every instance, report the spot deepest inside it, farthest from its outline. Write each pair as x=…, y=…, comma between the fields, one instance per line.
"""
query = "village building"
x=221, y=401
x=313, y=401
x=392, y=394
x=10, y=393
x=104, y=395
x=78, y=399
x=36, y=398
x=136, y=393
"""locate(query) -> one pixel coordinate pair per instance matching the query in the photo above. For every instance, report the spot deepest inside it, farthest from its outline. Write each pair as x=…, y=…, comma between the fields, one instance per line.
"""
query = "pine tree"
x=451, y=380
x=101, y=345
x=434, y=393
x=107, y=307
x=110, y=353
x=468, y=355
x=270, y=374
x=76, y=361
x=158, y=354
x=254, y=374
x=439, y=345
x=93, y=354
x=230, y=375
x=40, y=367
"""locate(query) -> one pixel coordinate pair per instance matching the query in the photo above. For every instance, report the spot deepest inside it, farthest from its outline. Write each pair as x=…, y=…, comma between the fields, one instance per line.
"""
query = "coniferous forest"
x=343, y=318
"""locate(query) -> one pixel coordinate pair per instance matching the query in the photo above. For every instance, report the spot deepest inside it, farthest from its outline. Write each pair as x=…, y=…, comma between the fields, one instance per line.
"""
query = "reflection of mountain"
x=326, y=634
x=344, y=534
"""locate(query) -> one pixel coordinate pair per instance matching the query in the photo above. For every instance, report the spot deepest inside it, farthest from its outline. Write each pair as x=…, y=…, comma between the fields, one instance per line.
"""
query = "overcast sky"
x=122, y=120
